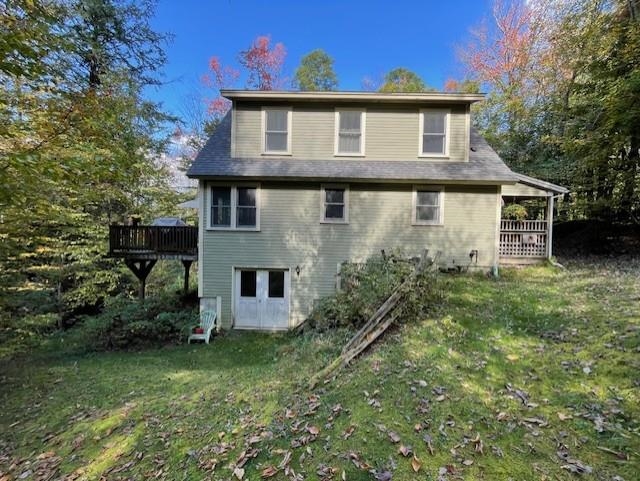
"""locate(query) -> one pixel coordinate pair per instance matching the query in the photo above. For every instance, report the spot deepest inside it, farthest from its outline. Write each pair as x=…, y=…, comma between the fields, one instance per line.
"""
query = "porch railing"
x=125, y=239
x=523, y=238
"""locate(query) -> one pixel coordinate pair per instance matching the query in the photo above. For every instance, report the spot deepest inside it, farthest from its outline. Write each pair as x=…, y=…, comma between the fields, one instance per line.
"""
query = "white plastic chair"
x=207, y=323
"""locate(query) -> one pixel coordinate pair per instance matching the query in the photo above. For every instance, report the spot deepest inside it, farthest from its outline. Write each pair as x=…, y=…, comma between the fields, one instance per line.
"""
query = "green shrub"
x=514, y=212
x=20, y=333
x=366, y=286
x=126, y=323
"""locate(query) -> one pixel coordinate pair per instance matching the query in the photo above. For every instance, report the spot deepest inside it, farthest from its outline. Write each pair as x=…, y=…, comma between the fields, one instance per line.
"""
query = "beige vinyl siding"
x=379, y=218
x=523, y=190
x=392, y=132
x=247, y=130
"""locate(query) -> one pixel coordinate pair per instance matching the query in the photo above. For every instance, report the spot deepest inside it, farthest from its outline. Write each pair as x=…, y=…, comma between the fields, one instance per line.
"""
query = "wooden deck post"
x=187, y=267
x=549, y=226
x=141, y=269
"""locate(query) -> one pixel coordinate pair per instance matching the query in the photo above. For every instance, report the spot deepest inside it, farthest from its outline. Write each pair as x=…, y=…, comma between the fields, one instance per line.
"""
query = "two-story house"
x=291, y=184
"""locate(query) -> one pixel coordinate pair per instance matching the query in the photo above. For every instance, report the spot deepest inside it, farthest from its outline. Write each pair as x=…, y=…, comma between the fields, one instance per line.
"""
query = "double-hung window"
x=434, y=133
x=277, y=130
x=234, y=207
x=350, y=130
x=335, y=204
x=428, y=205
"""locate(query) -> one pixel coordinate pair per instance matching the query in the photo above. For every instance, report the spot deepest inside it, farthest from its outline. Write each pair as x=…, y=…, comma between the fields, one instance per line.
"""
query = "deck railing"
x=125, y=239
x=523, y=238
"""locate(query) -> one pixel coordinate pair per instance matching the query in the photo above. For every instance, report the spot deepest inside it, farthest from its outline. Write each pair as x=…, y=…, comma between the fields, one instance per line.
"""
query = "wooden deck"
x=153, y=242
x=141, y=246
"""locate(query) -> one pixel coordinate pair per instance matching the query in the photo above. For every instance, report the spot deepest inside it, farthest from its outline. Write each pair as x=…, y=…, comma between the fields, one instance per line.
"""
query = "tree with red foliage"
x=263, y=64
x=503, y=58
x=466, y=86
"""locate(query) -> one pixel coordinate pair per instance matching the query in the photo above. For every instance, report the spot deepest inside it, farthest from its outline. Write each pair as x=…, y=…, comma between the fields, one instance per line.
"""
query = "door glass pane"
x=276, y=284
x=221, y=206
x=247, y=283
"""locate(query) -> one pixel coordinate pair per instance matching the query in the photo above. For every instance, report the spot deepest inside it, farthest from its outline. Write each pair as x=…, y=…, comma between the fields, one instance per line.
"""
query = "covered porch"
x=526, y=221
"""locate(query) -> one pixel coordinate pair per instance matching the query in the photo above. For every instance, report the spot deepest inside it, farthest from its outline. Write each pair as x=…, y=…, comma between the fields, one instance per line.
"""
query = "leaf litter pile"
x=533, y=376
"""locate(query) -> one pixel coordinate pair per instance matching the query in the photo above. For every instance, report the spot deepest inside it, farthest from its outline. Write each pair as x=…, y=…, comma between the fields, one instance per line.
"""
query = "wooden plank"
x=370, y=338
x=388, y=304
x=375, y=327
x=382, y=311
x=346, y=358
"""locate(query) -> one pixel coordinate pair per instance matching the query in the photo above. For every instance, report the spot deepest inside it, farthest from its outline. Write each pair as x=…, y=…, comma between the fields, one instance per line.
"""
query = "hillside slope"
x=533, y=376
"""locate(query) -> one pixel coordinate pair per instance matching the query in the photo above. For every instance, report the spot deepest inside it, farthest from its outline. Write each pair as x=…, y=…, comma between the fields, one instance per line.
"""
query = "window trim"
x=336, y=134
x=234, y=203
x=263, y=141
x=447, y=133
x=414, y=205
x=323, y=219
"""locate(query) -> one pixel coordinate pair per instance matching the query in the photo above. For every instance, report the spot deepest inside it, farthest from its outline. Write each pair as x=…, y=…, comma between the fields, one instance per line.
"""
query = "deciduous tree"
x=403, y=80
x=77, y=150
x=561, y=78
x=263, y=63
x=315, y=72
x=263, y=67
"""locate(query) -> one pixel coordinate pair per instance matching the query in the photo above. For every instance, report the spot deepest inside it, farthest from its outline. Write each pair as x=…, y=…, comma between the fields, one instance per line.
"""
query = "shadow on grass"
x=496, y=364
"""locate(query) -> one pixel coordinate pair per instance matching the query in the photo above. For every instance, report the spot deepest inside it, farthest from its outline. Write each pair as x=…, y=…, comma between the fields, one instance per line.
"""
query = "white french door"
x=262, y=299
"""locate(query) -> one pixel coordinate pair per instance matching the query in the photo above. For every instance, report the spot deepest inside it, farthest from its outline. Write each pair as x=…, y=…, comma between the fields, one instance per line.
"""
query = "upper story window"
x=350, y=128
x=335, y=203
x=434, y=133
x=234, y=207
x=276, y=123
x=428, y=202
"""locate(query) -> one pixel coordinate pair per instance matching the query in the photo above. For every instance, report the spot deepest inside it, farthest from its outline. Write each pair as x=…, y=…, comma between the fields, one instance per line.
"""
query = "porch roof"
x=525, y=180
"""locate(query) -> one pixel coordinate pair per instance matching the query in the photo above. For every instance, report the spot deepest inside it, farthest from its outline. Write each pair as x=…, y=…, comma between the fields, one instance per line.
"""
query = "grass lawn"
x=533, y=376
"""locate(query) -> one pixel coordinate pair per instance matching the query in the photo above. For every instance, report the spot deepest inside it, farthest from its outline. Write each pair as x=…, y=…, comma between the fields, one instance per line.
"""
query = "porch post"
x=550, y=226
x=496, y=247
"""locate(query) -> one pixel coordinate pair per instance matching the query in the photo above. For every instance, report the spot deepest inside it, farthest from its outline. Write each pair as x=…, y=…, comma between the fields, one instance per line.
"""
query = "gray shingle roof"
x=214, y=161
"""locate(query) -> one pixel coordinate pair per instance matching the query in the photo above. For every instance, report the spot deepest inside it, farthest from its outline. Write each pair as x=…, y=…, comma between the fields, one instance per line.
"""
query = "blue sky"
x=365, y=38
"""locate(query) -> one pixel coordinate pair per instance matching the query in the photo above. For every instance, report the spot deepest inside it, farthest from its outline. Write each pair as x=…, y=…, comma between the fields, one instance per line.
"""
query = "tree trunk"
x=629, y=197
